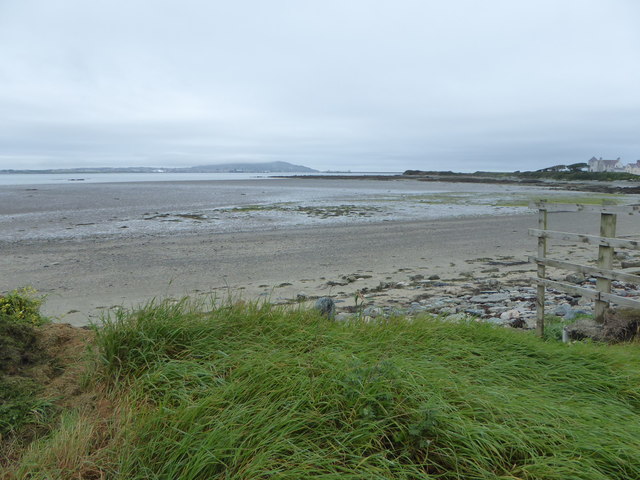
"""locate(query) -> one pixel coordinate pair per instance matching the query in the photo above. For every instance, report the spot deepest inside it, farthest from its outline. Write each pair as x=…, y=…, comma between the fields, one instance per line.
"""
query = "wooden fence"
x=603, y=273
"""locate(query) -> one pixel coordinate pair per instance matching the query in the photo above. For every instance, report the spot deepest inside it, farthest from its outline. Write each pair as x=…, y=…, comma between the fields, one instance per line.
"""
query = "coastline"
x=279, y=255
x=624, y=187
x=84, y=279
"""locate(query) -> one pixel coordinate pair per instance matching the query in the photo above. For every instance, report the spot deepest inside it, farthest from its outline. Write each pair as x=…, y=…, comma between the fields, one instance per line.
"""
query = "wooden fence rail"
x=603, y=273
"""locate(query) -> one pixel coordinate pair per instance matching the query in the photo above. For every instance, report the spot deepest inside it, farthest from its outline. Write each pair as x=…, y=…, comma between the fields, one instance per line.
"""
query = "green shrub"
x=21, y=306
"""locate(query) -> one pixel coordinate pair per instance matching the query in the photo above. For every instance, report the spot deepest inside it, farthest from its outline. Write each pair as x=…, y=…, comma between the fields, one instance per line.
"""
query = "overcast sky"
x=383, y=85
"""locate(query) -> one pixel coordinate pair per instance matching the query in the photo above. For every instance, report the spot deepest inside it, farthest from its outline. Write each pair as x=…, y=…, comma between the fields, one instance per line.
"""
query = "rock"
x=413, y=309
x=490, y=298
x=326, y=306
x=457, y=318
x=343, y=317
x=563, y=310
x=372, y=312
x=301, y=296
x=497, y=310
x=518, y=323
x=415, y=278
x=576, y=278
x=496, y=321
x=434, y=277
x=510, y=315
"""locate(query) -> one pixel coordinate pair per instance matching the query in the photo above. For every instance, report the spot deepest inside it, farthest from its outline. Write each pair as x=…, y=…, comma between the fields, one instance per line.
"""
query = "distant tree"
x=578, y=167
x=555, y=168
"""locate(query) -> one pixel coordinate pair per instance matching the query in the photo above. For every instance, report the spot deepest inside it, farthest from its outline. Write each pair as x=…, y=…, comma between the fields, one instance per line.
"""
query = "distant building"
x=633, y=168
x=600, y=165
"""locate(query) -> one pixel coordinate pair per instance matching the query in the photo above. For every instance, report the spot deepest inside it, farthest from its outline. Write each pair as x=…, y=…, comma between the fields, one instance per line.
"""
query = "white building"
x=600, y=165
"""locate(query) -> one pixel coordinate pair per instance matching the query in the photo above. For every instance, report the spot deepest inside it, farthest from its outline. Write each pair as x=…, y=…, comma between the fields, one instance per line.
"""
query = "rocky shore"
x=499, y=291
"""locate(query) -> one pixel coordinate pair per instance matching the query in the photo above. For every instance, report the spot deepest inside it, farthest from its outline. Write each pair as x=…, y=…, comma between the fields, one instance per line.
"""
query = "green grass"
x=591, y=199
x=21, y=408
x=251, y=391
x=536, y=175
x=321, y=211
x=599, y=176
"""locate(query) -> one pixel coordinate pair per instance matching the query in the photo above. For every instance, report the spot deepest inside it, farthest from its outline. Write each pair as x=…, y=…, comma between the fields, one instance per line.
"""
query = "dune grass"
x=250, y=391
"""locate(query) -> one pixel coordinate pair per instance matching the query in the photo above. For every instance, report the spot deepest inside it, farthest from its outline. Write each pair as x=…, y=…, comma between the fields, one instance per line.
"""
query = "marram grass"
x=256, y=392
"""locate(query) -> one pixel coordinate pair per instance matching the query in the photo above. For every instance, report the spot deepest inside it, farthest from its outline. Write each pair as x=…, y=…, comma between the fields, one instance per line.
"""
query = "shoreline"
x=93, y=248
x=595, y=186
x=84, y=279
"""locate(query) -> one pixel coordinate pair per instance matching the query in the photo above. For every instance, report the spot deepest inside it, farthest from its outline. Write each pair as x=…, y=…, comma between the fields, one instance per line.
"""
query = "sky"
x=361, y=85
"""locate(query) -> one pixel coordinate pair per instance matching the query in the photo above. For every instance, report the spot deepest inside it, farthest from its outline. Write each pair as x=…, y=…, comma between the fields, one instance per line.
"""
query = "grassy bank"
x=249, y=391
x=536, y=175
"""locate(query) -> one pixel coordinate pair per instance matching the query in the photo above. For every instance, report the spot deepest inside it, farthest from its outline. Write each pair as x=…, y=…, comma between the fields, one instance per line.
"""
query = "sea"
x=48, y=207
x=64, y=178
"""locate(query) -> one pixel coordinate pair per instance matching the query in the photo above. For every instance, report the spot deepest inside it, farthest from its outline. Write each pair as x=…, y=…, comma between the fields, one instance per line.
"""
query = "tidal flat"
x=94, y=247
x=118, y=210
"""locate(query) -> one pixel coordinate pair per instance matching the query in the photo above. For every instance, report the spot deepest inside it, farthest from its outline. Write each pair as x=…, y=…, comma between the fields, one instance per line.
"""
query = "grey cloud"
x=332, y=84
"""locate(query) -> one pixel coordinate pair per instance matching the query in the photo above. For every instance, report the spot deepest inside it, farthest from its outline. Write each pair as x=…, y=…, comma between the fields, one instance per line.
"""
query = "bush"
x=21, y=306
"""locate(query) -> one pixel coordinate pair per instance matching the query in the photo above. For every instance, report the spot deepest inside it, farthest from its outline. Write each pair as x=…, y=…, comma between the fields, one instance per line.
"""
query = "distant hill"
x=245, y=167
x=251, y=168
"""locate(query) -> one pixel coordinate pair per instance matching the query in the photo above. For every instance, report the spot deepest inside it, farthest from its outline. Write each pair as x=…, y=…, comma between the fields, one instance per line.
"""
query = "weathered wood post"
x=605, y=262
x=542, y=253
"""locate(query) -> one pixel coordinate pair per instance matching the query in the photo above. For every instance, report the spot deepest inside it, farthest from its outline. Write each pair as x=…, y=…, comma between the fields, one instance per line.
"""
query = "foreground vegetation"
x=249, y=391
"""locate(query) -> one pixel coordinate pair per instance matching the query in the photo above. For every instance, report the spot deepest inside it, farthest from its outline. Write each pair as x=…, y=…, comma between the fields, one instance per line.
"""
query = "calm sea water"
x=65, y=178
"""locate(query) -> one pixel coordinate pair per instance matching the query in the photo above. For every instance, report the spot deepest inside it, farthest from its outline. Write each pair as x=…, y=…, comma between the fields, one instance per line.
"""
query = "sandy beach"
x=92, y=248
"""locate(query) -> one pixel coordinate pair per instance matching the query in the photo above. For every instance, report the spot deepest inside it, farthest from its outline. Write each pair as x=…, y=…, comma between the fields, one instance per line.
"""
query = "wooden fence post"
x=605, y=261
x=542, y=253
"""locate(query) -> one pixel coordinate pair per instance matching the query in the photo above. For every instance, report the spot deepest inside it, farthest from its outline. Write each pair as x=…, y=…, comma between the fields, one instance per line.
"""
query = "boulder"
x=576, y=278
x=326, y=306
